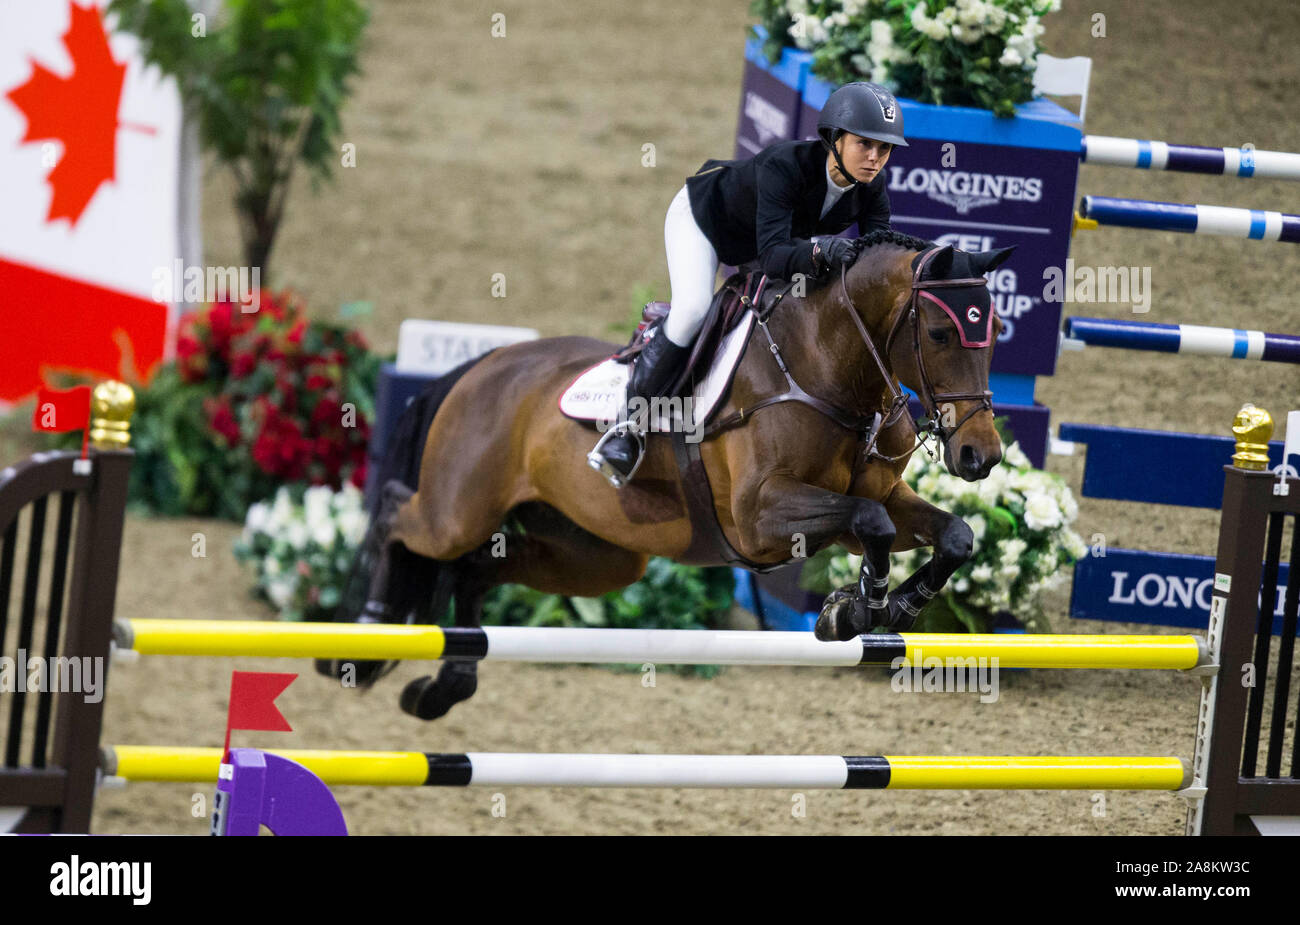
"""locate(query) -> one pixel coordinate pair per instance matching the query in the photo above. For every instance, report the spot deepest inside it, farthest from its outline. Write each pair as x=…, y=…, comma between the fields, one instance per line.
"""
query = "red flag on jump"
x=252, y=702
x=59, y=411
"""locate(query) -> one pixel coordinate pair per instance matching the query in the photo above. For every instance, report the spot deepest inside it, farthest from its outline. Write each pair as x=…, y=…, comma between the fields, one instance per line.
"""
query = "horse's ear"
x=940, y=265
x=988, y=260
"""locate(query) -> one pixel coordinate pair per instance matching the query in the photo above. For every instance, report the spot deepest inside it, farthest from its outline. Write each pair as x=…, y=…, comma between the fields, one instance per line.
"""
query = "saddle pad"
x=597, y=395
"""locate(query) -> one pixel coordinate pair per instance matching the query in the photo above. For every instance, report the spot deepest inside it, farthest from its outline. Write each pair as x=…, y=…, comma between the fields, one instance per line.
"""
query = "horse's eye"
x=939, y=335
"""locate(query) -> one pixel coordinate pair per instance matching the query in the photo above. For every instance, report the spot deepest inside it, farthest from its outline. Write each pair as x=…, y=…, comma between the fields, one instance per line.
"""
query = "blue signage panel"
x=1156, y=466
x=1159, y=588
x=769, y=99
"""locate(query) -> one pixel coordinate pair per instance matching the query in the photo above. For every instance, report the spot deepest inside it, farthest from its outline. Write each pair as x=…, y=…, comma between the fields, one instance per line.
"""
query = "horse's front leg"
x=787, y=509
x=920, y=523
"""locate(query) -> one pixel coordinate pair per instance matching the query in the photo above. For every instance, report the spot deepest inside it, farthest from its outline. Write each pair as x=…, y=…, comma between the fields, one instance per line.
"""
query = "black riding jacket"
x=768, y=207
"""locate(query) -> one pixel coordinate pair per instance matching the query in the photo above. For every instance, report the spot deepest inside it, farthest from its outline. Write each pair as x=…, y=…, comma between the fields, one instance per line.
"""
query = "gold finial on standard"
x=1252, y=427
x=111, y=406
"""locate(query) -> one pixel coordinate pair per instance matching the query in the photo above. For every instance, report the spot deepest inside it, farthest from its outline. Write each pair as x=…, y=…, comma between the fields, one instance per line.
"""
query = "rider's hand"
x=833, y=253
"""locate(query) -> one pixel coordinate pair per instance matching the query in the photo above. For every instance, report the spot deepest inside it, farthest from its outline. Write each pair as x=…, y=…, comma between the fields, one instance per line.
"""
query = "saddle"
x=743, y=290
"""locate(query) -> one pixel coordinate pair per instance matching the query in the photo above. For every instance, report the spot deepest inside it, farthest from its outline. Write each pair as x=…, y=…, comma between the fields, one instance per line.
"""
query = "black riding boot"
x=618, y=453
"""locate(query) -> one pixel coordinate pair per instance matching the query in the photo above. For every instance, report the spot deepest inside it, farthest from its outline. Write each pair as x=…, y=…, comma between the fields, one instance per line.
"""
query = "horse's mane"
x=889, y=236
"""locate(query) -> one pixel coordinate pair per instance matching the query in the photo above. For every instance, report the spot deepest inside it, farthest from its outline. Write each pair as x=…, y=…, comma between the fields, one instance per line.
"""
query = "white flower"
x=961, y=585
x=879, y=74
x=1013, y=549
x=991, y=489
x=978, y=526
x=324, y=533
x=281, y=511
x=352, y=524
x=855, y=7
x=316, y=505
x=970, y=12
x=1011, y=58
x=796, y=8
x=271, y=566
x=1015, y=457
x=281, y=592
x=295, y=534
x=1041, y=512
x=981, y=573
x=255, y=520
x=836, y=19
x=947, y=16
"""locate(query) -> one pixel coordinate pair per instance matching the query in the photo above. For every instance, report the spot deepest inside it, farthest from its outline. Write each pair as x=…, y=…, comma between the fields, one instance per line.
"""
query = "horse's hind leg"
x=552, y=555
x=428, y=697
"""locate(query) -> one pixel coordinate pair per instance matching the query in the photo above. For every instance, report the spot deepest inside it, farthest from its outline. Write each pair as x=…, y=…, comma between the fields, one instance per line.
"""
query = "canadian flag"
x=90, y=147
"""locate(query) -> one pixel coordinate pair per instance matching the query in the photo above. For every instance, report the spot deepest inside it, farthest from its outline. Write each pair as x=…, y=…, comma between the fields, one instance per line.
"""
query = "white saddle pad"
x=599, y=393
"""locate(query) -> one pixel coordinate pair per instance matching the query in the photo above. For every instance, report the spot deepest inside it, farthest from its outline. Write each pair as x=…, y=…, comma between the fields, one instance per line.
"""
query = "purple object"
x=256, y=788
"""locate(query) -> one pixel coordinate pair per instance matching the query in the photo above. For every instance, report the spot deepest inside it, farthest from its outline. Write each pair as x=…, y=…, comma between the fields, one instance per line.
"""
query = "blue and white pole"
x=1257, y=224
x=1160, y=155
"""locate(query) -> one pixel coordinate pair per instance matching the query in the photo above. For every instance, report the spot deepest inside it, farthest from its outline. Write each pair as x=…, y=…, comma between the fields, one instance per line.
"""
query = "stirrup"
x=596, y=459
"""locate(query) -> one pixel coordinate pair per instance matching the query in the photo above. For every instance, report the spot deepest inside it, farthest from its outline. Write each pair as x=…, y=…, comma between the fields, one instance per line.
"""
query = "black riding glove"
x=833, y=253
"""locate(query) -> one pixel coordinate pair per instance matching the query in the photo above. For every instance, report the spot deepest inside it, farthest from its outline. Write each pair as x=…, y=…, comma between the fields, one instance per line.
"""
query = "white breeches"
x=692, y=271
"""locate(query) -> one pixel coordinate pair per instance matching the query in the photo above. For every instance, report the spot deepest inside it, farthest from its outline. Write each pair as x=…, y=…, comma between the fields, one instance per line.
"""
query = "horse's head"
x=938, y=341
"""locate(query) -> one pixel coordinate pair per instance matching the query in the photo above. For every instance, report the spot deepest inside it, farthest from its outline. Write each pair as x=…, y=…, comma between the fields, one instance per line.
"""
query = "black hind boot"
x=617, y=455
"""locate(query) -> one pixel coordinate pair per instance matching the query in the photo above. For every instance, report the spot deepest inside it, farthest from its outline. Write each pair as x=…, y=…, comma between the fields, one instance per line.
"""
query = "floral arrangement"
x=1024, y=545
x=255, y=400
x=978, y=53
x=302, y=545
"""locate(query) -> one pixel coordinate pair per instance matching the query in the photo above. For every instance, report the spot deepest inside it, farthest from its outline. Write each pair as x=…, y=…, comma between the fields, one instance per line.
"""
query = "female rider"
x=767, y=208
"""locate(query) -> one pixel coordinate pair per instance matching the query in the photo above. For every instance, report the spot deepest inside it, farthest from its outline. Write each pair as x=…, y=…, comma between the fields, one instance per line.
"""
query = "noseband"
x=930, y=399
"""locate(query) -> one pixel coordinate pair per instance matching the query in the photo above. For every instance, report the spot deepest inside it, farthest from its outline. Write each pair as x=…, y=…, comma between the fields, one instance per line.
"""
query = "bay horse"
x=486, y=482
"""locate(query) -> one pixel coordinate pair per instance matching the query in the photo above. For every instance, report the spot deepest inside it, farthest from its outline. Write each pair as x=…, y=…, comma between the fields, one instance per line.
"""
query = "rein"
x=872, y=424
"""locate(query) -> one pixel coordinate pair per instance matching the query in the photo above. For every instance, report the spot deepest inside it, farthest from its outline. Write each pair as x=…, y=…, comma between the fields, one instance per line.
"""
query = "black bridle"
x=872, y=424
x=930, y=399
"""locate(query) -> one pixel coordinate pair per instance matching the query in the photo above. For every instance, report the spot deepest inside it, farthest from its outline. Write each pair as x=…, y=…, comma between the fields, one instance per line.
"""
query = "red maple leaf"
x=79, y=110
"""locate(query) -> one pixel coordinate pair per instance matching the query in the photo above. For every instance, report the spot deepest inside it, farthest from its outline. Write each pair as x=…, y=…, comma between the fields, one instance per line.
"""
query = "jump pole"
x=1161, y=155
x=778, y=772
x=1257, y=224
x=1233, y=343
x=664, y=647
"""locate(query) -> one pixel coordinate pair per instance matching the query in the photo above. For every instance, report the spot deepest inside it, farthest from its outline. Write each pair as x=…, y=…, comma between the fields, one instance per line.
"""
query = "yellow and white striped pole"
x=782, y=772
x=666, y=647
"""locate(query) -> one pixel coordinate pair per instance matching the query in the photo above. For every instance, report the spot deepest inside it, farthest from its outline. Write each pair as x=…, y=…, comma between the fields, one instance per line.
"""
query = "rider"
x=768, y=208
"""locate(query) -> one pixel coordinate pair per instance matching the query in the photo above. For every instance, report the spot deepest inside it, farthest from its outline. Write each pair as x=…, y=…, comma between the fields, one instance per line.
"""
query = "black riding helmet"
x=864, y=109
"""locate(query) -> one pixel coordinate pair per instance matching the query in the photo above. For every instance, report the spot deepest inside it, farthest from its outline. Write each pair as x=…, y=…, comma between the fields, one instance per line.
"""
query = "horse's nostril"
x=971, y=460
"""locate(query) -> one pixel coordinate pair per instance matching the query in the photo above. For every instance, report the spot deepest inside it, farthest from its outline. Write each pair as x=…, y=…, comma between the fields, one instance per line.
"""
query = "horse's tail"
x=419, y=588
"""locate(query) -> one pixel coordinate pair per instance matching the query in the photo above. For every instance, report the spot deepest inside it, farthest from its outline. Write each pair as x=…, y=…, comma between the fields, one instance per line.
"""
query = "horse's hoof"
x=840, y=618
x=427, y=698
x=901, y=618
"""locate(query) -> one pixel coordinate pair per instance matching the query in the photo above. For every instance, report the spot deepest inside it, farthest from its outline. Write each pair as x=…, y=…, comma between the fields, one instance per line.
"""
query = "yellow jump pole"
x=826, y=772
x=692, y=647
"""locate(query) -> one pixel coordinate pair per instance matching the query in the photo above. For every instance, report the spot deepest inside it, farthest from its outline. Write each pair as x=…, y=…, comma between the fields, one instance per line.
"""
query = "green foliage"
x=669, y=596
x=266, y=83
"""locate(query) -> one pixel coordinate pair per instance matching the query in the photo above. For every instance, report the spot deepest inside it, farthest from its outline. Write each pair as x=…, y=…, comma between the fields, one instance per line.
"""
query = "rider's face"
x=863, y=157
